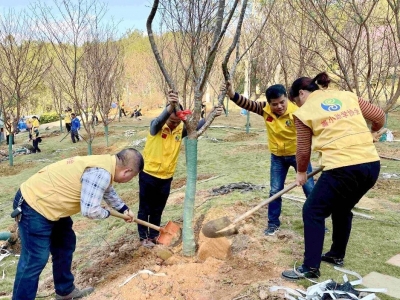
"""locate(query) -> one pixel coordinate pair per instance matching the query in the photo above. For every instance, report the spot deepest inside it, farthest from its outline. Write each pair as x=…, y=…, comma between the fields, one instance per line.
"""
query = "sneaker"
x=332, y=260
x=76, y=294
x=300, y=273
x=147, y=243
x=271, y=230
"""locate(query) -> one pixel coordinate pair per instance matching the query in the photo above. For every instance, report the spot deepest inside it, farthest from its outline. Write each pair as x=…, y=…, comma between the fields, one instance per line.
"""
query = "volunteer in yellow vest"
x=49, y=198
x=34, y=135
x=332, y=123
x=277, y=113
x=160, y=156
x=122, y=108
x=67, y=119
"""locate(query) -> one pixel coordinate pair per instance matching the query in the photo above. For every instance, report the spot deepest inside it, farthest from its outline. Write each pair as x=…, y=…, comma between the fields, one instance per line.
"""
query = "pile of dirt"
x=240, y=136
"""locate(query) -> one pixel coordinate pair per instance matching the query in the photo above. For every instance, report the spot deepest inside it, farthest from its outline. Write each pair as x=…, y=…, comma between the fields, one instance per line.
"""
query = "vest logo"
x=331, y=104
x=178, y=138
x=289, y=123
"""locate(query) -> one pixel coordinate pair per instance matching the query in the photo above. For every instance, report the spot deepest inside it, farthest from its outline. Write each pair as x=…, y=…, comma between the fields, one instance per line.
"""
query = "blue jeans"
x=39, y=238
x=336, y=192
x=279, y=169
x=153, y=196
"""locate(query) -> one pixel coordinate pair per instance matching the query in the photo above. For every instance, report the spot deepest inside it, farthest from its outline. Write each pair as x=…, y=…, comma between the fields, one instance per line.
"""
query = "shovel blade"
x=169, y=234
x=217, y=228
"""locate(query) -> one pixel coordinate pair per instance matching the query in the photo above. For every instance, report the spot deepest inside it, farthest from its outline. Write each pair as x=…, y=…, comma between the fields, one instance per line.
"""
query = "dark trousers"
x=279, y=168
x=336, y=192
x=39, y=238
x=68, y=126
x=35, y=144
x=153, y=195
x=122, y=111
x=74, y=135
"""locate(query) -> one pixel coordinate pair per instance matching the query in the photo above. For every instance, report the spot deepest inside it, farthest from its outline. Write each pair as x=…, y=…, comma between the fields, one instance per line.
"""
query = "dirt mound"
x=241, y=136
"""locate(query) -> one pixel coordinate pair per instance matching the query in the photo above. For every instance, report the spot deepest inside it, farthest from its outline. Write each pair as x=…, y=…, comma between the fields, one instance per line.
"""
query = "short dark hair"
x=275, y=91
x=130, y=157
x=73, y=114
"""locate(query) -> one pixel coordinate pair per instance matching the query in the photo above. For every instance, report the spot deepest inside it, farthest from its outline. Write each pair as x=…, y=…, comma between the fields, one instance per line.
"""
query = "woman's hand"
x=301, y=178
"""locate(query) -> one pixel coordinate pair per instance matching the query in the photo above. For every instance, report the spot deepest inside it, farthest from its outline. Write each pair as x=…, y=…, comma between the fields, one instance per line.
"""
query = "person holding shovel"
x=277, y=113
x=332, y=123
x=43, y=207
x=161, y=156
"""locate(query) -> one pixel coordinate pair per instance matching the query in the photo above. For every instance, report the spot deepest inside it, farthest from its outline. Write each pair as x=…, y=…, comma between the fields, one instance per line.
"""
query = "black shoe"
x=300, y=273
x=332, y=260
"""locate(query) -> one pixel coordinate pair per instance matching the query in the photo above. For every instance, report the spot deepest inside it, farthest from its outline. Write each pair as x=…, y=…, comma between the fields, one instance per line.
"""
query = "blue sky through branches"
x=130, y=14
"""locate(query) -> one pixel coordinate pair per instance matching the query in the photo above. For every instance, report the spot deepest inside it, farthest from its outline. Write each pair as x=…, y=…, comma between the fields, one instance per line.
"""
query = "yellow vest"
x=161, y=152
x=35, y=123
x=281, y=132
x=55, y=191
x=340, y=133
x=67, y=117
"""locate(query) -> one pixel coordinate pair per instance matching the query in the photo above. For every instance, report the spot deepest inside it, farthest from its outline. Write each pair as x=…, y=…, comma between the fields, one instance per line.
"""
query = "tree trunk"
x=106, y=133
x=10, y=151
x=189, y=245
x=61, y=128
x=89, y=147
x=248, y=122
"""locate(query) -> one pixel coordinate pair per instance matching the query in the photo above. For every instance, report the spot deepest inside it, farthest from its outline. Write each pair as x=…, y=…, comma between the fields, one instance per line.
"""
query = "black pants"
x=35, y=144
x=68, y=126
x=74, y=135
x=8, y=139
x=336, y=192
x=153, y=195
x=122, y=111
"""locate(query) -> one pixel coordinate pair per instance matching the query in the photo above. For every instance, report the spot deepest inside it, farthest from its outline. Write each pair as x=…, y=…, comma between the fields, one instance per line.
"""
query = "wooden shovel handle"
x=273, y=197
x=141, y=222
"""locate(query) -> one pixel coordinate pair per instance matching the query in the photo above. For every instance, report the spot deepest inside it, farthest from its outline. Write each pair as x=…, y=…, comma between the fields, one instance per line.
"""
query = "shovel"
x=224, y=227
x=169, y=234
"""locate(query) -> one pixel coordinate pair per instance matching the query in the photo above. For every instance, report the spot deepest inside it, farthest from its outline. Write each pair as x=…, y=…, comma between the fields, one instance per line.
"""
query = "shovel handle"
x=141, y=222
x=273, y=197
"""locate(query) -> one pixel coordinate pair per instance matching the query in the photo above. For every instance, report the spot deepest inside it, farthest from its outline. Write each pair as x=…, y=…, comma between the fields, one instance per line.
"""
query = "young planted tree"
x=201, y=29
x=23, y=63
x=103, y=63
x=68, y=27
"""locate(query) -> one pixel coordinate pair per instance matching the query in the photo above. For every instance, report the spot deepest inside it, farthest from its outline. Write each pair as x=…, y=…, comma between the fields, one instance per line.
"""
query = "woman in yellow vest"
x=46, y=202
x=67, y=119
x=34, y=134
x=332, y=123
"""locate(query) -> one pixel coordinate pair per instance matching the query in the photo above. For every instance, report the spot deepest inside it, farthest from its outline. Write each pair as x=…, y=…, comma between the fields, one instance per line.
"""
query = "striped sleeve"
x=250, y=105
x=303, y=151
x=372, y=113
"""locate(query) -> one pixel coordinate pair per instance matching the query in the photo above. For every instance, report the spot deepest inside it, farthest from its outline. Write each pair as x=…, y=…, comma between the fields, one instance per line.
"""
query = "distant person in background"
x=137, y=112
x=122, y=108
x=34, y=134
x=203, y=110
x=75, y=126
x=67, y=119
x=8, y=133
